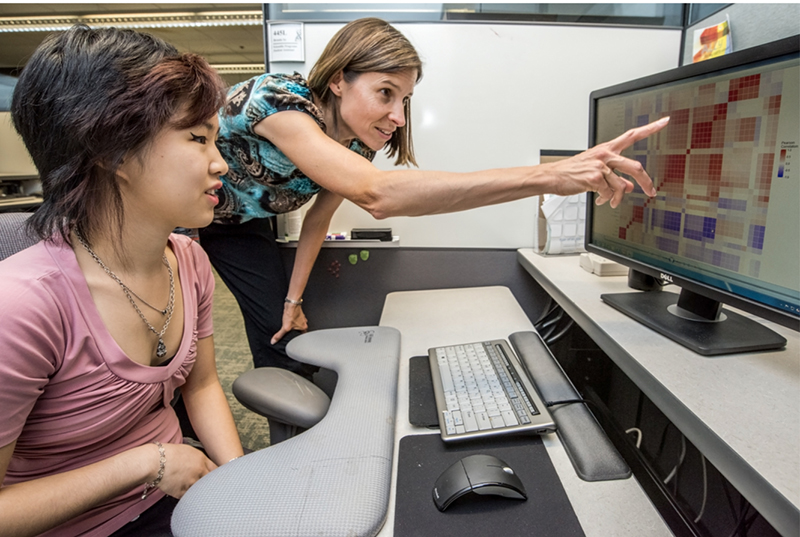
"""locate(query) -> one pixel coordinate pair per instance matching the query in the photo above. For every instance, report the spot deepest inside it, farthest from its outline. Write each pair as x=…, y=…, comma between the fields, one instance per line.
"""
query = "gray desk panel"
x=741, y=411
x=449, y=316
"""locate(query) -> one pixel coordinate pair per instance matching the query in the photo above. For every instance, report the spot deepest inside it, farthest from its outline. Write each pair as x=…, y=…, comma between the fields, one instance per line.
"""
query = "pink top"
x=68, y=394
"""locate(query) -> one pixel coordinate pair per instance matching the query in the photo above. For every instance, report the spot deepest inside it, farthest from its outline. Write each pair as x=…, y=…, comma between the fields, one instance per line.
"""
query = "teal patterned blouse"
x=261, y=181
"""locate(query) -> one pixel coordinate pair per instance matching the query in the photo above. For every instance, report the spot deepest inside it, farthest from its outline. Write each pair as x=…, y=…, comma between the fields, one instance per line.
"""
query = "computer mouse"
x=481, y=474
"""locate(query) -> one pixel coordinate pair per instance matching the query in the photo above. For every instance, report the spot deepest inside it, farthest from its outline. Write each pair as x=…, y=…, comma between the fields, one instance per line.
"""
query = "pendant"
x=161, y=350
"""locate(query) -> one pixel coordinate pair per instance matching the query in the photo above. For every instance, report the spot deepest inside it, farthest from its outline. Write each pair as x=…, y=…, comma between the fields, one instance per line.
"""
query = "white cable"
x=638, y=435
x=674, y=471
x=705, y=490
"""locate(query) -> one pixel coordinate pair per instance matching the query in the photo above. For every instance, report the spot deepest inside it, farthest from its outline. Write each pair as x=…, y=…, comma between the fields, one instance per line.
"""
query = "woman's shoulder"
x=35, y=262
x=269, y=86
x=38, y=281
x=278, y=83
x=253, y=100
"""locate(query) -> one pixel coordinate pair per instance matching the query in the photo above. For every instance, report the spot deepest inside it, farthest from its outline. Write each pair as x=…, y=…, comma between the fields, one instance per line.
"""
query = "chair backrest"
x=13, y=237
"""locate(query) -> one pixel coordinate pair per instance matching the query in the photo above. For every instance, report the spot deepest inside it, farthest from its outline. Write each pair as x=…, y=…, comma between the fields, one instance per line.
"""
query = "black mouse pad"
x=421, y=401
x=547, y=511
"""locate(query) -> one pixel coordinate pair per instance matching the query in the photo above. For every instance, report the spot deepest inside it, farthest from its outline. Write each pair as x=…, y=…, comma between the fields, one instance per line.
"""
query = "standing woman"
x=110, y=313
x=286, y=139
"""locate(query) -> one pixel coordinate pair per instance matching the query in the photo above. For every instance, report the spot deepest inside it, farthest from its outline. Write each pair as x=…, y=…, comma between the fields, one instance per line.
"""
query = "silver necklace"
x=161, y=349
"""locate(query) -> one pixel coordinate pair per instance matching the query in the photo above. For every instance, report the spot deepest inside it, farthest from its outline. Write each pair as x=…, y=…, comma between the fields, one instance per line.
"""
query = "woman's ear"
x=123, y=172
x=335, y=85
x=126, y=170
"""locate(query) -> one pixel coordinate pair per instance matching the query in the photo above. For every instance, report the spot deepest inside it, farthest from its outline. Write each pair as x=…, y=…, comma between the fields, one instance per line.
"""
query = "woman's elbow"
x=379, y=212
x=376, y=203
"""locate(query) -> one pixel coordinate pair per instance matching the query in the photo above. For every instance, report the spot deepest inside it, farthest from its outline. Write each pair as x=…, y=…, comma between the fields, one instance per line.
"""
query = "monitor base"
x=735, y=334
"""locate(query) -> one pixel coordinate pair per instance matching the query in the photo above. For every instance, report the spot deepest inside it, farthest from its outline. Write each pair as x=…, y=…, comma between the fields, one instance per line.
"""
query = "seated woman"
x=110, y=312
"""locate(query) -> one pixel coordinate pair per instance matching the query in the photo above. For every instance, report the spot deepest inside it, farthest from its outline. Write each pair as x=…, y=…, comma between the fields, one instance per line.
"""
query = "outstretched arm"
x=417, y=192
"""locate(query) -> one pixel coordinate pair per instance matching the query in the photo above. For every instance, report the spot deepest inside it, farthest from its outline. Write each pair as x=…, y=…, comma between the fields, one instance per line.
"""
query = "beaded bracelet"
x=162, y=464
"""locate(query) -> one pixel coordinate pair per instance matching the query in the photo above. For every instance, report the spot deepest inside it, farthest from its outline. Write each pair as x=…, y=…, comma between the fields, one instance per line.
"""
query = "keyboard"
x=482, y=390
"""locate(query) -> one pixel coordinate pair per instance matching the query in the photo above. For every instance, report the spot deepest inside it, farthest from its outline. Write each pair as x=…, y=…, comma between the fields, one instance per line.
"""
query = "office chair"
x=290, y=403
x=13, y=237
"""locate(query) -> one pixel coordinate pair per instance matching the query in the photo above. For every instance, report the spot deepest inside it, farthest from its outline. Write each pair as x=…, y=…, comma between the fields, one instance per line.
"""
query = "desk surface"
x=741, y=411
x=450, y=316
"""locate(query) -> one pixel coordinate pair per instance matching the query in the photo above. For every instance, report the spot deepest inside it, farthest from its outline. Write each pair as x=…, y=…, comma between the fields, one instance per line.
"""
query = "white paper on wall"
x=561, y=224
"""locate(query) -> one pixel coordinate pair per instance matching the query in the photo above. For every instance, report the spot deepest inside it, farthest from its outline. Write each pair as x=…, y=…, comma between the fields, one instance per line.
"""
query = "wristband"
x=162, y=464
x=295, y=302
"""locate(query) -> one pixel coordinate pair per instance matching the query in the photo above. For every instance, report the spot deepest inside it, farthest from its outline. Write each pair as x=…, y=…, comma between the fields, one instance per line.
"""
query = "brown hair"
x=90, y=97
x=369, y=46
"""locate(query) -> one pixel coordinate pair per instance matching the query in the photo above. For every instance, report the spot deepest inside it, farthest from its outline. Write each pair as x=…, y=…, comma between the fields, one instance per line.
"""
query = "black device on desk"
x=484, y=475
x=379, y=234
x=724, y=224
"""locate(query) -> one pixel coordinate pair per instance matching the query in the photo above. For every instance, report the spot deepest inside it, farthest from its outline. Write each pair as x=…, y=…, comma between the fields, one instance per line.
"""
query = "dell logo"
x=666, y=277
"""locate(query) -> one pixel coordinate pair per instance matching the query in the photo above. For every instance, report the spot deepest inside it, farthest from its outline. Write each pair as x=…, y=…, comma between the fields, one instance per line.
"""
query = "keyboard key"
x=457, y=420
x=448, y=422
x=447, y=380
x=484, y=423
x=470, y=422
x=510, y=418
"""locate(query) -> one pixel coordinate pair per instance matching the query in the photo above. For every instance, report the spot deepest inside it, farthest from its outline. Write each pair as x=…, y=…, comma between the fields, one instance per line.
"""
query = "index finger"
x=639, y=133
x=278, y=336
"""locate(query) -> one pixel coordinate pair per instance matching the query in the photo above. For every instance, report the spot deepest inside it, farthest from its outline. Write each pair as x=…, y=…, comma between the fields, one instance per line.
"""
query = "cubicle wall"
x=14, y=157
x=494, y=95
x=341, y=294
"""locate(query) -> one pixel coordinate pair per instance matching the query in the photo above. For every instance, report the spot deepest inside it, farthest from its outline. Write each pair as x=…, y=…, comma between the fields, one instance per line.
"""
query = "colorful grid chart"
x=713, y=168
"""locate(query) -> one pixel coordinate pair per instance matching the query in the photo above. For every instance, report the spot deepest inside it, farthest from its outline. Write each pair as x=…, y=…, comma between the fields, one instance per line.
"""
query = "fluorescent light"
x=237, y=68
x=133, y=20
x=380, y=10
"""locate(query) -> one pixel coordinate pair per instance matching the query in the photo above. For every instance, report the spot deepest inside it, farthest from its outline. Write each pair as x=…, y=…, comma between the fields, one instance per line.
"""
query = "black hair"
x=87, y=99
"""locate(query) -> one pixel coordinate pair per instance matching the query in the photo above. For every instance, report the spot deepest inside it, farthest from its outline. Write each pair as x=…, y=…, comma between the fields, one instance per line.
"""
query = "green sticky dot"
x=353, y=258
x=364, y=255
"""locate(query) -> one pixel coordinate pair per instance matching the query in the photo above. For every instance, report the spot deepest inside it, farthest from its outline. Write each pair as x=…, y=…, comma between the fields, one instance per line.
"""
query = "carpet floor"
x=234, y=358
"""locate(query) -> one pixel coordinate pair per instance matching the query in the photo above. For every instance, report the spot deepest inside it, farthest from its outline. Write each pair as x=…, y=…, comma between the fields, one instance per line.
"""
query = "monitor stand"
x=729, y=333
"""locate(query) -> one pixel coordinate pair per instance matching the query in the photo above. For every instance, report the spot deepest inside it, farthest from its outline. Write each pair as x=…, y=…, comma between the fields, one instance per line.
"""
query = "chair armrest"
x=335, y=479
x=281, y=395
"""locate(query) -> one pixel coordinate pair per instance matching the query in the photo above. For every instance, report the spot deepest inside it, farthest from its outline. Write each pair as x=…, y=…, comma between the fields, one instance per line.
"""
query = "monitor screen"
x=725, y=224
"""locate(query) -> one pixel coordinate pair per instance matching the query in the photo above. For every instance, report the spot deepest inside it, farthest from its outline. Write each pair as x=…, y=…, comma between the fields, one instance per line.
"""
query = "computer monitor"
x=725, y=224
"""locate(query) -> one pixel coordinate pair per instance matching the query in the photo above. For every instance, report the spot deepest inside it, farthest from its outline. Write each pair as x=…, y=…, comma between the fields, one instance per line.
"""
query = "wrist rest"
x=421, y=401
x=332, y=480
x=592, y=454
